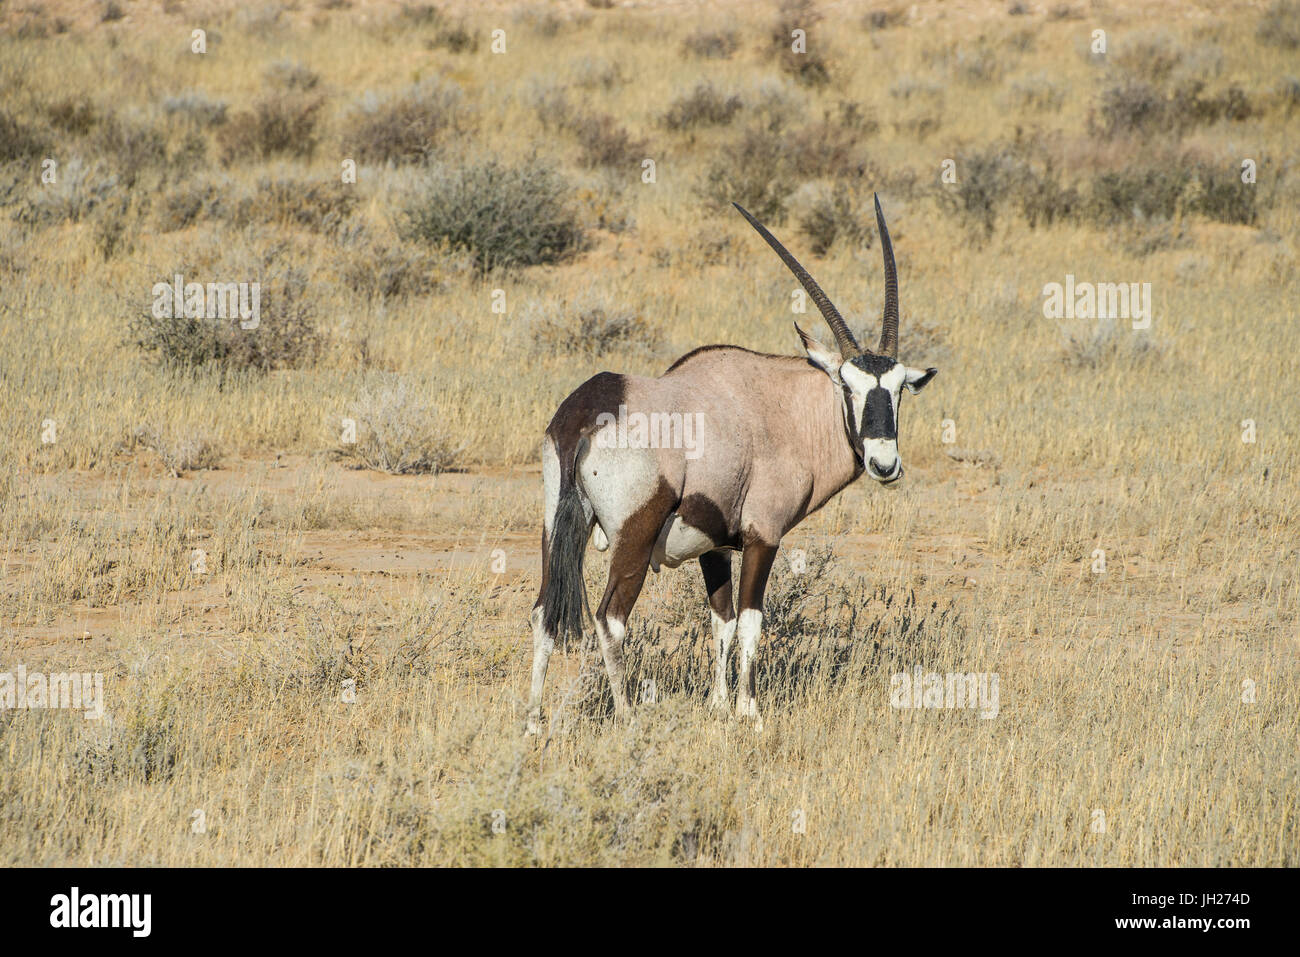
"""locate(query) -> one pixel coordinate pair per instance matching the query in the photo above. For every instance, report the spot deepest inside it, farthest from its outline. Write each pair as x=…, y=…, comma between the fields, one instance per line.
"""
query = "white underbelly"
x=679, y=542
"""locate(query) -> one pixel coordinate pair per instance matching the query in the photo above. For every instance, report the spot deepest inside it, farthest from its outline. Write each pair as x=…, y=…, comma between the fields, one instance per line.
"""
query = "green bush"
x=280, y=124
x=703, y=106
x=287, y=335
x=502, y=215
x=403, y=128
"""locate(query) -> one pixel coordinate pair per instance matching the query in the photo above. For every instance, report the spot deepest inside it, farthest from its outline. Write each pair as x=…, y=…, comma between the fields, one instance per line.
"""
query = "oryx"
x=776, y=437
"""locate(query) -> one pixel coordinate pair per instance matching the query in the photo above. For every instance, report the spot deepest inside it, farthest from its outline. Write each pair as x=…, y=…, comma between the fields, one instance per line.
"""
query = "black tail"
x=566, y=593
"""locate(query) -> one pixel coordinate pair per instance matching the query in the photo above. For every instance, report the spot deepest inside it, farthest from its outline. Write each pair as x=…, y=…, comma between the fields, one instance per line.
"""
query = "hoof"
x=748, y=708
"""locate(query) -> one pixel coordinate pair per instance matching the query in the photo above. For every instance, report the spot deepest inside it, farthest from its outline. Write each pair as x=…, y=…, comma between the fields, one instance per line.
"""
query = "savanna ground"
x=322, y=644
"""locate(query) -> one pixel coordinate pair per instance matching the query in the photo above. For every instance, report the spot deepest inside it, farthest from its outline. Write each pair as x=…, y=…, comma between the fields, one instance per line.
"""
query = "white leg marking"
x=749, y=625
x=723, y=632
x=611, y=633
x=543, y=645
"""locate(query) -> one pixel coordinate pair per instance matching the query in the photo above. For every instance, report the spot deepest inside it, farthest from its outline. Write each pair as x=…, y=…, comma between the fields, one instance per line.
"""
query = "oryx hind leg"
x=629, y=560
x=628, y=564
x=543, y=645
x=716, y=567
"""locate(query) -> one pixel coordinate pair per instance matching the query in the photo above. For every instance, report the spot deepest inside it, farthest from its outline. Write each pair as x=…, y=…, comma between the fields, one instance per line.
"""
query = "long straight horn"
x=844, y=339
x=889, y=324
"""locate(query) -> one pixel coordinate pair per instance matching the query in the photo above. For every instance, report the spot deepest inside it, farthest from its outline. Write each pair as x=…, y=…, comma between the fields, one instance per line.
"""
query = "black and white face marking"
x=874, y=386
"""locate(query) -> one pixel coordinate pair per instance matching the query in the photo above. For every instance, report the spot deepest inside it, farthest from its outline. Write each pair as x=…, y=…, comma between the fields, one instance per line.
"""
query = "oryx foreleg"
x=755, y=566
x=716, y=567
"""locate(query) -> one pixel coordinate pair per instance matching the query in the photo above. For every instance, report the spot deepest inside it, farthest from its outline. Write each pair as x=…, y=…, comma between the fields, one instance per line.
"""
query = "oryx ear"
x=824, y=357
x=916, y=379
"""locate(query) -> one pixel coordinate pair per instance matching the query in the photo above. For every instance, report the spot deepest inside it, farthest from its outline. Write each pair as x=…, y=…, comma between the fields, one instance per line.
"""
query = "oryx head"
x=869, y=383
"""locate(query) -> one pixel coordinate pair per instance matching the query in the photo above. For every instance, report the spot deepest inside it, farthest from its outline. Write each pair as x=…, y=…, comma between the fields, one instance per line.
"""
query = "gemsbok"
x=775, y=438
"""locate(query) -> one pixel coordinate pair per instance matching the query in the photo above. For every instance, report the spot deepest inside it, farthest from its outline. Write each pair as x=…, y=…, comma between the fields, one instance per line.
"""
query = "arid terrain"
x=302, y=555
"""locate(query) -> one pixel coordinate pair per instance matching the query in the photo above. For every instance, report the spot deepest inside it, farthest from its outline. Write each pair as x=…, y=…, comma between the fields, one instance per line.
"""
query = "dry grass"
x=330, y=661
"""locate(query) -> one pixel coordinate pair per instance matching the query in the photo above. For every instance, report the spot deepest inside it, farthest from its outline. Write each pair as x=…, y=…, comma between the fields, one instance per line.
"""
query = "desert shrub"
x=972, y=64
x=1288, y=94
x=606, y=142
x=456, y=38
x=1013, y=175
x=195, y=107
x=290, y=76
x=129, y=147
x=1143, y=238
x=603, y=140
x=977, y=66
x=79, y=190
x=188, y=452
x=824, y=148
x=1131, y=106
x=112, y=227
x=884, y=18
x=19, y=141
x=257, y=19
x=279, y=124
x=764, y=166
x=1037, y=92
x=1009, y=175
x=597, y=73
x=907, y=86
x=502, y=215
x=73, y=116
x=189, y=202
x=189, y=154
x=1280, y=25
x=418, y=14
x=703, y=106
x=1179, y=185
x=1045, y=199
x=986, y=181
x=1093, y=343
x=754, y=173
x=837, y=215
x=712, y=44
x=1137, y=107
x=809, y=68
x=286, y=336
x=590, y=325
x=1150, y=57
x=320, y=206
x=406, y=127
x=400, y=433
x=388, y=271
x=316, y=205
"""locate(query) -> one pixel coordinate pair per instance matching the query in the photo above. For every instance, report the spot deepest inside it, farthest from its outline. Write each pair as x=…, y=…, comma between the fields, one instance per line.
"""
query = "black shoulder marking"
x=702, y=513
x=603, y=392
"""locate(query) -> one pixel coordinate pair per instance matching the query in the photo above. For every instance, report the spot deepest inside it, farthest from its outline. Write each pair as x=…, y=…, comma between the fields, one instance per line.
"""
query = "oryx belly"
x=679, y=542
